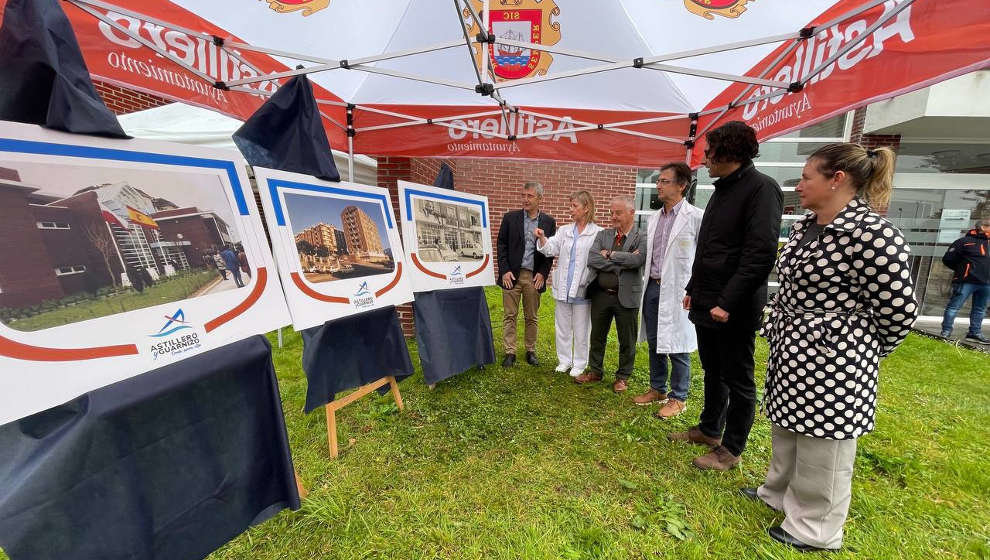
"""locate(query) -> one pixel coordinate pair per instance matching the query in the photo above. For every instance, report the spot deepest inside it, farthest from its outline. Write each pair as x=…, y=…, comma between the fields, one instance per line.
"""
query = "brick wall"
x=122, y=100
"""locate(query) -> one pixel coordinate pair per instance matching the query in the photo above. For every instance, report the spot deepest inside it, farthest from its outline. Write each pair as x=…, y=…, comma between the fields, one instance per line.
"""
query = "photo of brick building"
x=106, y=235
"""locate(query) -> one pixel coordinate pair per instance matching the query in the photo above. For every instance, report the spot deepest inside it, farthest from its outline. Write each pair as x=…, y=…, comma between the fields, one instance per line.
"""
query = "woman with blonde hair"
x=570, y=279
x=845, y=301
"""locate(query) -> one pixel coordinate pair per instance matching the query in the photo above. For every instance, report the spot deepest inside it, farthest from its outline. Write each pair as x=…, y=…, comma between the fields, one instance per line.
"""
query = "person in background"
x=572, y=310
x=522, y=270
x=845, y=301
x=243, y=260
x=221, y=267
x=617, y=258
x=230, y=261
x=969, y=258
x=737, y=245
x=671, y=240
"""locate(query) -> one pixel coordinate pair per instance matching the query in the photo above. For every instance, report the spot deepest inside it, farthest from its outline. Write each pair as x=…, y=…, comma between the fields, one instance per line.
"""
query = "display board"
x=337, y=246
x=448, y=238
x=119, y=257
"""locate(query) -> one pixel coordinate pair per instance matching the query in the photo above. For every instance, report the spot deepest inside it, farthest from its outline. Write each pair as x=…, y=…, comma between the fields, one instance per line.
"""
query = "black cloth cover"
x=170, y=464
x=286, y=133
x=453, y=332
x=346, y=353
x=43, y=78
x=445, y=177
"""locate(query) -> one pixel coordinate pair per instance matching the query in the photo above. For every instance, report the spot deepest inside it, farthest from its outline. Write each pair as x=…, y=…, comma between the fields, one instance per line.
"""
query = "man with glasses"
x=671, y=239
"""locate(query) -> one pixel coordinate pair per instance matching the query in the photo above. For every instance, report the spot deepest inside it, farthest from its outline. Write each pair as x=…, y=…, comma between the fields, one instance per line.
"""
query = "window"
x=68, y=270
x=939, y=157
x=53, y=225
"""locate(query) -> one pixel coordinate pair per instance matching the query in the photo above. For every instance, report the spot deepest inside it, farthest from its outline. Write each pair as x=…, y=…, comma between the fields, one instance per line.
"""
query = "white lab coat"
x=675, y=333
x=560, y=246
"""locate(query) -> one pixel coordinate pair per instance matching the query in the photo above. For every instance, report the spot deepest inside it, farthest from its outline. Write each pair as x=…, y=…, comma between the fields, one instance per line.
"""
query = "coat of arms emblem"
x=725, y=8
x=525, y=21
x=308, y=7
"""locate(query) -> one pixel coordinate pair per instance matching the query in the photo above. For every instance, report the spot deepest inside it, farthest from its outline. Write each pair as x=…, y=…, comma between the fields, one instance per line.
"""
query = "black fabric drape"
x=286, y=133
x=43, y=78
x=453, y=332
x=170, y=464
x=353, y=351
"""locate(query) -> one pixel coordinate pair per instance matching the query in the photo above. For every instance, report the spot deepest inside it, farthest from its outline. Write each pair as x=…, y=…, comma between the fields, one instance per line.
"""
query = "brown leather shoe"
x=694, y=435
x=718, y=459
x=671, y=408
x=588, y=377
x=649, y=397
x=620, y=386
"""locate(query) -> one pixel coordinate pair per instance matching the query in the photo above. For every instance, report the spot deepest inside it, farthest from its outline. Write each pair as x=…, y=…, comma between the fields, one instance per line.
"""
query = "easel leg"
x=300, y=488
x=395, y=391
x=332, y=431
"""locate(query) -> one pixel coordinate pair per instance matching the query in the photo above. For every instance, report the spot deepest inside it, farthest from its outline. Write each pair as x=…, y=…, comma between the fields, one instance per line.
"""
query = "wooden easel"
x=333, y=407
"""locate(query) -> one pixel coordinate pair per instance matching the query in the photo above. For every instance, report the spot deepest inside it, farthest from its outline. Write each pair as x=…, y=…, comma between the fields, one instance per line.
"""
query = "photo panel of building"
x=103, y=240
x=338, y=238
x=447, y=231
x=450, y=237
x=119, y=257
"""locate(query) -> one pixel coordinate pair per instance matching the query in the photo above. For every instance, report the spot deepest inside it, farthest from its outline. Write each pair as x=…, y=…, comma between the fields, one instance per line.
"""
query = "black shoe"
x=531, y=359
x=782, y=536
x=750, y=493
x=978, y=337
x=509, y=360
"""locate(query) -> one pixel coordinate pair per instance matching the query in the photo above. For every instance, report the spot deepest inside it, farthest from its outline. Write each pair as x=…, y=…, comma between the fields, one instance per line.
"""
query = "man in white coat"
x=671, y=237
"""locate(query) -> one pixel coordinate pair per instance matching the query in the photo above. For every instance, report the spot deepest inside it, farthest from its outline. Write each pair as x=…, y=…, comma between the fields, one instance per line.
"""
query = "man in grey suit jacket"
x=617, y=256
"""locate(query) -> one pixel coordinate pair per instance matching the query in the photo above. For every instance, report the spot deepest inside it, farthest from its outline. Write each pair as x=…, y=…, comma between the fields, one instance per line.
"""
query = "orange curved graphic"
x=419, y=265
x=298, y=281
x=253, y=297
x=19, y=351
x=480, y=268
x=390, y=285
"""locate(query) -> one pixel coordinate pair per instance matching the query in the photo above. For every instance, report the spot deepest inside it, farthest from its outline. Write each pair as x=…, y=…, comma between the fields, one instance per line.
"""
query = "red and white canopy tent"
x=629, y=82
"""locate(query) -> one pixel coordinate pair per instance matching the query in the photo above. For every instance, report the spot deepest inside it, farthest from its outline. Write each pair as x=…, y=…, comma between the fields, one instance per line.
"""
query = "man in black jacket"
x=969, y=257
x=737, y=246
x=522, y=269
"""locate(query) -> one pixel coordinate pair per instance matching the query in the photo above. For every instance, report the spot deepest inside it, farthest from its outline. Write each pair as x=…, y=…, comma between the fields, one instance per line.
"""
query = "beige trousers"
x=810, y=480
x=525, y=290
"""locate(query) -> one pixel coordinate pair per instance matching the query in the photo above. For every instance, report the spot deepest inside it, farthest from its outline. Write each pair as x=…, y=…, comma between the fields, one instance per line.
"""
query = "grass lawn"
x=523, y=463
x=164, y=291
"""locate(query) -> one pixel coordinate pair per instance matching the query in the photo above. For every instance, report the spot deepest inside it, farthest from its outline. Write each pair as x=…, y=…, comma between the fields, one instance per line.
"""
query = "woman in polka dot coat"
x=845, y=300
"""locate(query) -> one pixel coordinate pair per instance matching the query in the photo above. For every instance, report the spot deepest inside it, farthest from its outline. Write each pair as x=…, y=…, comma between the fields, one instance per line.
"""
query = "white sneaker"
x=562, y=368
x=576, y=372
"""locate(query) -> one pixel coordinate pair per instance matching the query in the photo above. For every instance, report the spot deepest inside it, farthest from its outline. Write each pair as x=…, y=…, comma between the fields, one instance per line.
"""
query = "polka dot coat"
x=845, y=300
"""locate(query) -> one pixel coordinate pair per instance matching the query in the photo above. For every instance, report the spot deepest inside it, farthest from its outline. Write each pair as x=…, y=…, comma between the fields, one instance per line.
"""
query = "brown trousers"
x=525, y=290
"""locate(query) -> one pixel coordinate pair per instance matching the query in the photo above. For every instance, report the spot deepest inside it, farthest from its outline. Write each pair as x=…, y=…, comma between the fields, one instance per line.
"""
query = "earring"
x=833, y=187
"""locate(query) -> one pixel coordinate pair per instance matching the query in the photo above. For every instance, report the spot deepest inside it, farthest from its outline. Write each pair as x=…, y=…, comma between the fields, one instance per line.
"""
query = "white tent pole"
x=280, y=75
x=484, y=46
x=719, y=75
x=407, y=52
x=350, y=158
x=647, y=135
x=420, y=120
x=850, y=14
x=443, y=124
x=277, y=52
x=859, y=39
x=142, y=17
x=137, y=37
x=646, y=121
x=467, y=41
x=332, y=121
x=725, y=108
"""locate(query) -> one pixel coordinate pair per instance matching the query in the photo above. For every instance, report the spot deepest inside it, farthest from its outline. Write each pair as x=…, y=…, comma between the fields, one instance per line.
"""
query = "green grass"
x=523, y=463
x=164, y=291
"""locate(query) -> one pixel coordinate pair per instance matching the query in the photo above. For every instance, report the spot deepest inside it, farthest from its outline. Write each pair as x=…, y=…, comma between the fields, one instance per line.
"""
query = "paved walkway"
x=933, y=327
